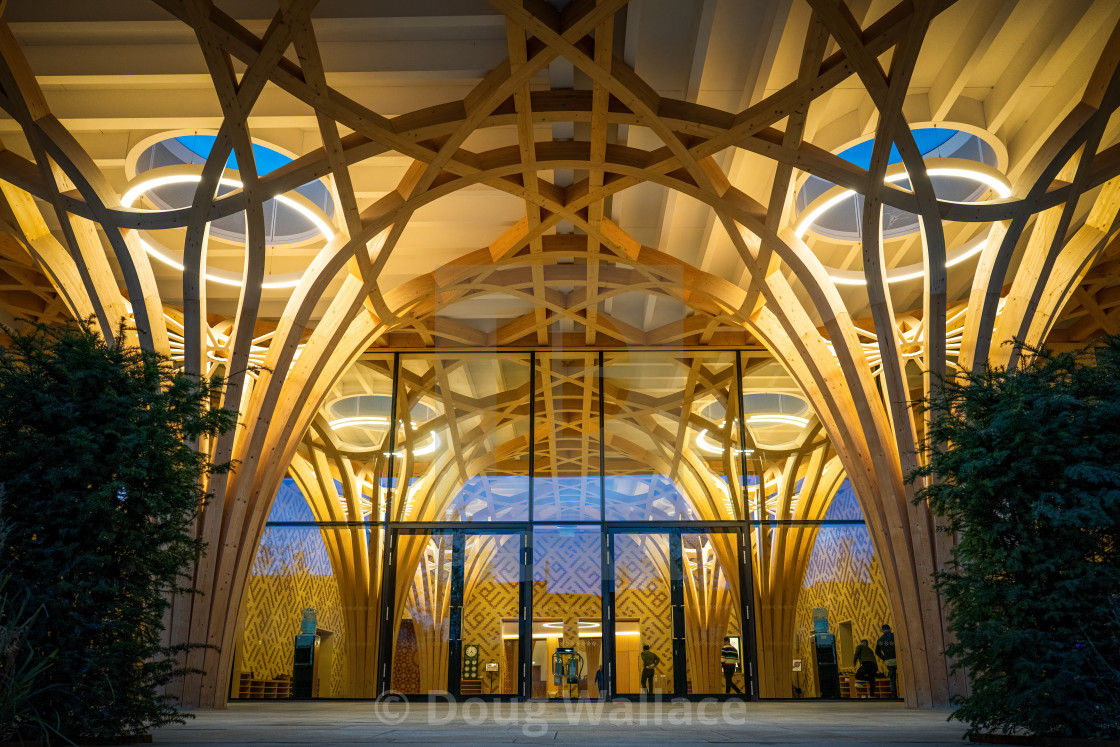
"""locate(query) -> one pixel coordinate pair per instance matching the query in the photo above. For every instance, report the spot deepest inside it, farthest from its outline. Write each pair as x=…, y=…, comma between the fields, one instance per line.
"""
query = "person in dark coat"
x=866, y=669
x=650, y=661
x=884, y=649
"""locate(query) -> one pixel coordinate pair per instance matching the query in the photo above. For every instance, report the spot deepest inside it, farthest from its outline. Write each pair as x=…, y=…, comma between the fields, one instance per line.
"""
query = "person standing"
x=650, y=661
x=599, y=681
x=729, y=660
x=884, y=649
x=864, y=660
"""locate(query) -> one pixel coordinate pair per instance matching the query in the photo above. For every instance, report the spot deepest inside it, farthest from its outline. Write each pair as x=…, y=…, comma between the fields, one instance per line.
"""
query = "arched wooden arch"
x=1039, y=244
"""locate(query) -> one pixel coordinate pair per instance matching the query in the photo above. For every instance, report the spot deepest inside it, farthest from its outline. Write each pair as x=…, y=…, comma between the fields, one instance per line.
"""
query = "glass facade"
x=562, y=524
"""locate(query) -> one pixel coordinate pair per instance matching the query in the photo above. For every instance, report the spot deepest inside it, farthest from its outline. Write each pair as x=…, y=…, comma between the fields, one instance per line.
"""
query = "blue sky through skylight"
x=929, y=138
x=267, y=159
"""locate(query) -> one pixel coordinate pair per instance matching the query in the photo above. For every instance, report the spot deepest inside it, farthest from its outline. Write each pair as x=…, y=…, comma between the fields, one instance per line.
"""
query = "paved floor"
x=360, y=723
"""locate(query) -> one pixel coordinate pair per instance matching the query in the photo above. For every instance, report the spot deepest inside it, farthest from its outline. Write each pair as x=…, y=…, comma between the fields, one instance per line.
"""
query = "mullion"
x=742, y=526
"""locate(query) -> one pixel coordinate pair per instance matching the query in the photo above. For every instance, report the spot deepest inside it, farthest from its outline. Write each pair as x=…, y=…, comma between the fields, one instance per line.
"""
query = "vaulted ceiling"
x=698, y=111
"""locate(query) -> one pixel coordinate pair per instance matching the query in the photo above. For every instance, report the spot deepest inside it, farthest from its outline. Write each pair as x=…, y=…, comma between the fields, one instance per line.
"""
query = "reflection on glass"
x=566, y=483
x=481, y=438
x=816, y=605
x=672, y=437
x=354, y=421
x=711, y=611
x=567, y=612
x=291, y=573
x=461, y=451
x=422, y=613
x=643, y=615
x=430, y=598
x=491, y=588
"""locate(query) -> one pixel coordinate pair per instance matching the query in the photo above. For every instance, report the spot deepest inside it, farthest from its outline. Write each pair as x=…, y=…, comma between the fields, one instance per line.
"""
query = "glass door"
x=568, y=653
x=457, y=593
x=677, y=621
x=714, y=638
x=648, y=630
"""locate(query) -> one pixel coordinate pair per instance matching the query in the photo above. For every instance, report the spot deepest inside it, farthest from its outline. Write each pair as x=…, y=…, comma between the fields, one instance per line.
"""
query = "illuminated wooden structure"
x=620, y=174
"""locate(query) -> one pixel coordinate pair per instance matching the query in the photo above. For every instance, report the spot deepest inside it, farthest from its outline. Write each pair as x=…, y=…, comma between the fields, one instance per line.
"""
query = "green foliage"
x=21, y=669
x=1030, y=478
x=99, y=491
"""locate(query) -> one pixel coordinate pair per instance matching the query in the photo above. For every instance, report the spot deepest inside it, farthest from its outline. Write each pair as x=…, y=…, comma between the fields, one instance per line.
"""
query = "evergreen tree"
x=99, y=490
x=1028, y=474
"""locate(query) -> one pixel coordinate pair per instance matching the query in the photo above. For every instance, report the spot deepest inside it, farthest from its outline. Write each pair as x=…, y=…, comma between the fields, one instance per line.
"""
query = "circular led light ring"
x=705, y=445
x=222, y=277
x=359, y=421
x=778, y=419
x=907, y=272
x=971, y=170
x=374, y=421
x=977, y=172
x=432, y=446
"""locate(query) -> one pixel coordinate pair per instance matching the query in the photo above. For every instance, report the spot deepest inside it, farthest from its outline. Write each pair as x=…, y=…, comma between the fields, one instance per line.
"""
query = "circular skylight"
x=284, y=224
x=774, y=403
x=775, y=419
x=367, y=410
x=363, y=419
x=714, y=411
x=374, y=409
x=842, y=219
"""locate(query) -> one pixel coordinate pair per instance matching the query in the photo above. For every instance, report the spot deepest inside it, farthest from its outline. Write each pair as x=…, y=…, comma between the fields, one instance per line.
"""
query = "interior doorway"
x=456, y=588
x=560, y=670
x=567, y=657
x=677, y=601
x=530, y=613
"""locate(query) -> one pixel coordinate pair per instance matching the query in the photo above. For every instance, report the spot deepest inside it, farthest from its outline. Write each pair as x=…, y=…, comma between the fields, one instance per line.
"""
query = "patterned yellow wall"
x=642, y=593
x=845, y=577
x=291, y=572
x=566, y=587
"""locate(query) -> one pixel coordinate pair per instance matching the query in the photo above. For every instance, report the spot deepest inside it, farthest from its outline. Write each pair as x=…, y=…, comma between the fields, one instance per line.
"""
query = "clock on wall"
x=470, y=661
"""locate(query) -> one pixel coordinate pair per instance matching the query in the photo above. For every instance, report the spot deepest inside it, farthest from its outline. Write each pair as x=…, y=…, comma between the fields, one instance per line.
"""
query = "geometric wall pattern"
x=492, y=596
x=845, y=505
x=291, y=572
x=406, y=670
x=642, y=594
x=845, y=577
x=566, y=587
x=566, y=563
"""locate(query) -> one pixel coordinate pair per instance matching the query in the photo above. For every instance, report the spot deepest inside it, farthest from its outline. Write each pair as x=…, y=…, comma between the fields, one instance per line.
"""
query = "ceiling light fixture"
x=909, y=272
x=379, y=421
x=289, y=280
x=705, y=445
x=360, y=421
x=980, y=174
x=777, y=419
x=987, y=177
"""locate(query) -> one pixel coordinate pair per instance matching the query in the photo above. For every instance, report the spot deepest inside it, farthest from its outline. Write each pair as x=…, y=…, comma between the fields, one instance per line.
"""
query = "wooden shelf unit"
x=250, y=688
x=850, y=687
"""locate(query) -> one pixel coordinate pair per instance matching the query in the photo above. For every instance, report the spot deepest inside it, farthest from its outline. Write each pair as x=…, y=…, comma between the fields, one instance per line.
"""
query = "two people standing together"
x=865, y=661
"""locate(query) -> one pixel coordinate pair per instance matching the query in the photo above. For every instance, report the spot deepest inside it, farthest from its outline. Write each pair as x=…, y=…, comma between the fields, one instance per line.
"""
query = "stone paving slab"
x=366, y=723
